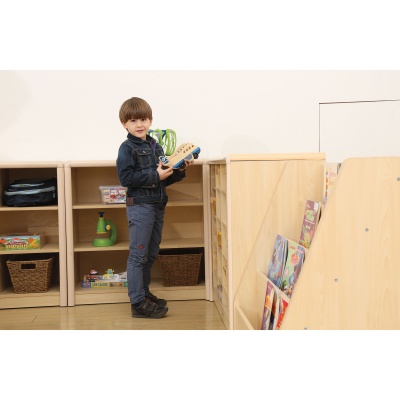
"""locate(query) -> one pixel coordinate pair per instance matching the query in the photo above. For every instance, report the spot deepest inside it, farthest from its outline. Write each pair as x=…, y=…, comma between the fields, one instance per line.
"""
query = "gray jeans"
x=145, y=222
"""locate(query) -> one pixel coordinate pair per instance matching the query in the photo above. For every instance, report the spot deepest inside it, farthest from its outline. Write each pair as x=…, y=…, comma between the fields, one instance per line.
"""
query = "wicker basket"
x=180, y=269
x=31, y=276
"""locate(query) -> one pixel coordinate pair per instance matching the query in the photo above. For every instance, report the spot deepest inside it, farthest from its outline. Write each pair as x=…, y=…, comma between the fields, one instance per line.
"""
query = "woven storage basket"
x=180, y=269
x=31, y=276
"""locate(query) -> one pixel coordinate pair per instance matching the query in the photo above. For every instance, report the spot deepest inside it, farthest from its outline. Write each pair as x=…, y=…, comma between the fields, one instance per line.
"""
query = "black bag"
x=31, y=192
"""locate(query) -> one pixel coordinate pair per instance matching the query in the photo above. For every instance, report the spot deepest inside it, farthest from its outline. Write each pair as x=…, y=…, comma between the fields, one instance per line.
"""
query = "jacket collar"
x=134, y=139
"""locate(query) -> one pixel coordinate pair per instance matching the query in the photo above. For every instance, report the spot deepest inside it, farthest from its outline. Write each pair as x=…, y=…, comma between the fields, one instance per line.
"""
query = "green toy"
x=105, y=226
x=166, y=138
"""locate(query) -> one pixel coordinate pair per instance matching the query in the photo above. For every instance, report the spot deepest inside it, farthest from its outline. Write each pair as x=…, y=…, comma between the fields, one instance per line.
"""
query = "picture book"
x=269, y=297
x=331, y=171
x=282, y=310
x=278, y=260
x=292, y=268
x=274, y=311
x=312, y=213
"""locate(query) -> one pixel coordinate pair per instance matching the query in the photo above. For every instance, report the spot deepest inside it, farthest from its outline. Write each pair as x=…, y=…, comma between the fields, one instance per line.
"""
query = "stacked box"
x=21, y=241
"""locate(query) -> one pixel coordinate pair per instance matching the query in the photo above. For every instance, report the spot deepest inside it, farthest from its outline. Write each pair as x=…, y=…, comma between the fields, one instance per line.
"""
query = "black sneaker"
x=155, y=299
x=148, y=309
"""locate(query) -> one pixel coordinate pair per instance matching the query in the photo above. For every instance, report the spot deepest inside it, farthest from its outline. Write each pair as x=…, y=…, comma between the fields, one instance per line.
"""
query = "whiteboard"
x=360, y=129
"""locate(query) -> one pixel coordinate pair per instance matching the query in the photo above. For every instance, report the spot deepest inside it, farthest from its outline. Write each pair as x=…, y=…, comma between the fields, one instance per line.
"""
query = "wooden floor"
x=182, y=315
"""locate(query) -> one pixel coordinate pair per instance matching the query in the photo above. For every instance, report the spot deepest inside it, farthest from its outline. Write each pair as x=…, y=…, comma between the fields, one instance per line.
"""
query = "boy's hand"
x=163, y=172
x=187, y=163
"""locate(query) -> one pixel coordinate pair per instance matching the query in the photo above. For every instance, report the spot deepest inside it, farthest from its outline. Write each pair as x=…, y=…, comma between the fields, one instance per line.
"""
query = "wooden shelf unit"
x=185, y=227
x=349, y=279
x=243, y=189
x=48, y=219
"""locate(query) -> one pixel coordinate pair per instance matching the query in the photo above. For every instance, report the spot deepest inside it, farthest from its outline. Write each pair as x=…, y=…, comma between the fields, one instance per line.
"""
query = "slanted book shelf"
x=350, y=276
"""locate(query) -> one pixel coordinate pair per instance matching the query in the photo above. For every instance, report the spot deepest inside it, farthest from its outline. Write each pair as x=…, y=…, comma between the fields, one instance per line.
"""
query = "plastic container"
x=113, y=194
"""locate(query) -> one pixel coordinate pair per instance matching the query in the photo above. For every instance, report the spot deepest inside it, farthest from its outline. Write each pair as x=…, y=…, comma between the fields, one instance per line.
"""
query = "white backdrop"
x=73, y=115
x=362, y=129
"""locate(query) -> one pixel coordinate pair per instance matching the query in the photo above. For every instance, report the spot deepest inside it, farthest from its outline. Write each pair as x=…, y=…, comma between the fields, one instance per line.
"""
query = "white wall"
x=362, y=129
x=73, y=115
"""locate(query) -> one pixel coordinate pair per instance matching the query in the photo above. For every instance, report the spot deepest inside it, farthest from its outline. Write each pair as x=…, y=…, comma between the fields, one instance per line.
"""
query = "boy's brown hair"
x=135, y=108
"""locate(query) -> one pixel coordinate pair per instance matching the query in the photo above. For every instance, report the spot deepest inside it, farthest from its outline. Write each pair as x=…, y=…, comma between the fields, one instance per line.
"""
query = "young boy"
x=141, y=172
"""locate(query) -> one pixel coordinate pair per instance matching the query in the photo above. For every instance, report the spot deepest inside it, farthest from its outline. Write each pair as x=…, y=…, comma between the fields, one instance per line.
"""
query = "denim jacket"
x=137, y=165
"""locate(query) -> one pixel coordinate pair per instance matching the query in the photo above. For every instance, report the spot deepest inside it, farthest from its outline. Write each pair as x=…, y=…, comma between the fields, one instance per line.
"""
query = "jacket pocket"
x=144, y=158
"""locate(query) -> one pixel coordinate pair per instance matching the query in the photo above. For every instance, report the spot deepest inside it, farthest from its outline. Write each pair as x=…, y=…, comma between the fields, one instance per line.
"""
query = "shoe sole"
x=148, y=316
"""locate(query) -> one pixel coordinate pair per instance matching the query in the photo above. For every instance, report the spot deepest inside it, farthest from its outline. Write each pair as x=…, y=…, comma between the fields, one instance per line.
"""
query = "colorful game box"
x=21, y=241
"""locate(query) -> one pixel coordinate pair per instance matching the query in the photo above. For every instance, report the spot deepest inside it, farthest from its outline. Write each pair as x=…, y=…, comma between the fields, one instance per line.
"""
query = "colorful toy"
x=109, y=275
x=104, y=226
x=186, y=151
x=91, y=276
x=166, y=138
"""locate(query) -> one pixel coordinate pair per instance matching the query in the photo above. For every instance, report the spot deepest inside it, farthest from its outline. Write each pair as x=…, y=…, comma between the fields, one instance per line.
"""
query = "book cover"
x=331, y=171
x=283, y=306
x=274, y=310
x=292, y=268
x=269, y=297
x=311, y=216
x=278, y=260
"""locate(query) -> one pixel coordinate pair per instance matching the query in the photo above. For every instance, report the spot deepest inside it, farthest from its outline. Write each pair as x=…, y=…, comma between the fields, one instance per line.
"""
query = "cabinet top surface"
x=105, y=163
x=32, y=164
x=269, y=157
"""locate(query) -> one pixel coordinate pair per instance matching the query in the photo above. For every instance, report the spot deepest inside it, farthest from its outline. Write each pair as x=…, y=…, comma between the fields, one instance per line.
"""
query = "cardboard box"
x=21, y=241
x=51, y=232
x=113, y=194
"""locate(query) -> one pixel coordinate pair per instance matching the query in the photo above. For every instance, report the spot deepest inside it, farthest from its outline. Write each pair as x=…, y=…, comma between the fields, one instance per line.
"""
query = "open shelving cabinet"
x=49, y=220
x=243, y=188
x=184, y=228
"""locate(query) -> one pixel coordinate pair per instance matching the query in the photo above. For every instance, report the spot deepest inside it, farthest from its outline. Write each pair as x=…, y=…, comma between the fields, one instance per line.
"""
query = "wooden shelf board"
x=241, y=320
x=89, y=206
x=21, y=209
x=124, y=245
x=87, y=246
x=120, y=294
x=10, y=299
x=47, y=248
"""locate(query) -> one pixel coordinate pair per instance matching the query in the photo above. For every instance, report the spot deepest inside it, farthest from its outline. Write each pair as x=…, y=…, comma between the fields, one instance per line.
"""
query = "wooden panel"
x=293, y=182
x=252, y=186
x=351, y=274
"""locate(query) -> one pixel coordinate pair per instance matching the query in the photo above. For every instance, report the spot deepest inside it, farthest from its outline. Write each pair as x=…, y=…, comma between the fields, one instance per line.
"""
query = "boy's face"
x=138, y=127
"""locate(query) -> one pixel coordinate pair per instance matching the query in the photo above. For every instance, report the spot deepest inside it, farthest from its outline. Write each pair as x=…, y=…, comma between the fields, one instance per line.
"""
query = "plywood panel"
x=290, y=183
x=351, y=274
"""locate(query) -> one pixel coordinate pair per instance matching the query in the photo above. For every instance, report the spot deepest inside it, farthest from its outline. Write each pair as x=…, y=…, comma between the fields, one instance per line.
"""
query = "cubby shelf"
x=185, y=227
x=50, y=220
